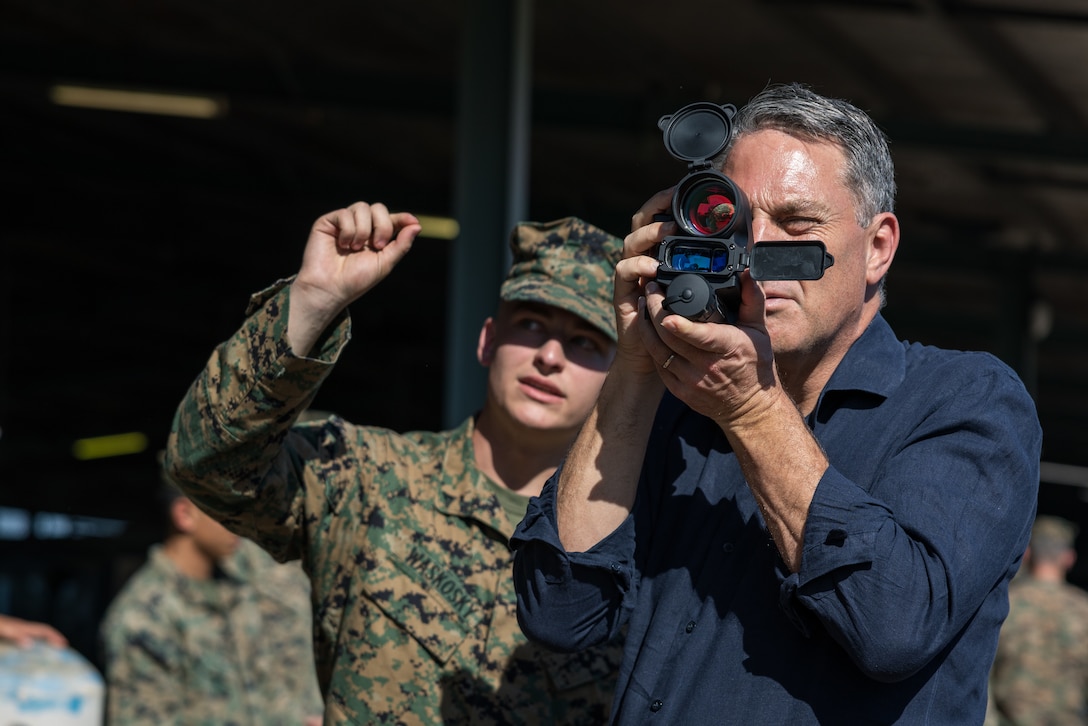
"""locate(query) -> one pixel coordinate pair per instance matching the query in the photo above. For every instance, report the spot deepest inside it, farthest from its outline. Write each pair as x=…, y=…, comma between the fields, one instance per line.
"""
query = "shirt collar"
x=218, y=591
x=463, y=490
x=875, y=363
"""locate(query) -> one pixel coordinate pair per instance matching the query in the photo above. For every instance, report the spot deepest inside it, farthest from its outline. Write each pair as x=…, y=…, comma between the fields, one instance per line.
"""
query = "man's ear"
x=485, y=347
x=883, y=246
x=1069, y=558
x=181, y=514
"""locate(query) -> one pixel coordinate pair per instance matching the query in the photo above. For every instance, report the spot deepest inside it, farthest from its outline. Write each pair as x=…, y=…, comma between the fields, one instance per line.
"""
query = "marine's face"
x=797, y=192
x=546, y=365
x=212, y=538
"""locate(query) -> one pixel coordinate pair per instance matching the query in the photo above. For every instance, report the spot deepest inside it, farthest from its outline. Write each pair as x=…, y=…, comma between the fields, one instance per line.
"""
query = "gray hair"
x=798, y=111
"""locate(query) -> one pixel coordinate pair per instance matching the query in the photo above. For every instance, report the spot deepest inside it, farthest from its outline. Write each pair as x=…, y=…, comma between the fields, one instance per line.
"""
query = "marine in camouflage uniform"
x=404, y=536
x=1040, y=673
x=232, y=649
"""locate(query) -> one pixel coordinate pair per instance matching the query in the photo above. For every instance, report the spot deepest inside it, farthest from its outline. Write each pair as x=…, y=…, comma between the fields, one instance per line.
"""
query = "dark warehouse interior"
x=132, y=241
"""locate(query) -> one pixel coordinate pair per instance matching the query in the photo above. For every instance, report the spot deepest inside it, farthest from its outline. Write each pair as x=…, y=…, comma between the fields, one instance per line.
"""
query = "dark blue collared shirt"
x=912, y=536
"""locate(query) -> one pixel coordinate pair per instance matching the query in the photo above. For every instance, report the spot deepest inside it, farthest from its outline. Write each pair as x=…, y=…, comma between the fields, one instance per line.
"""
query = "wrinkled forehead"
x=789, y=166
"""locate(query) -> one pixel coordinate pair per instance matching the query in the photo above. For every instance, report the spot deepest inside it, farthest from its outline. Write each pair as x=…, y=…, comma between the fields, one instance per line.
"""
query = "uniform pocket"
x=414, y=588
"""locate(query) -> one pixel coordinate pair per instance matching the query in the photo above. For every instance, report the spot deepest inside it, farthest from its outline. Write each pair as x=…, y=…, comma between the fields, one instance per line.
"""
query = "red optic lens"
x=709, y=208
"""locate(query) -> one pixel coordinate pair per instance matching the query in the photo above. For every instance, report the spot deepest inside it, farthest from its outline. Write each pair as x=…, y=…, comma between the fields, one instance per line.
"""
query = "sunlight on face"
x=546, y=365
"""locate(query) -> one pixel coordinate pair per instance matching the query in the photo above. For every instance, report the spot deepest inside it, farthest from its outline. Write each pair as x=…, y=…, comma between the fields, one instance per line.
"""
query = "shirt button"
x=727, y=548
x=690, y=626
x=656, y=705
x=615, y=567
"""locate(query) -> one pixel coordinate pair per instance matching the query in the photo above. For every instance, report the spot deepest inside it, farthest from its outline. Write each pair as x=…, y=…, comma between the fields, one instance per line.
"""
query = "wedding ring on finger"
x=668, y=362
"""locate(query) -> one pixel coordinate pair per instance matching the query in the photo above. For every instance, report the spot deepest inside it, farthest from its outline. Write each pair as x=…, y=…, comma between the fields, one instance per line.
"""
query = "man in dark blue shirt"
x=820, y=523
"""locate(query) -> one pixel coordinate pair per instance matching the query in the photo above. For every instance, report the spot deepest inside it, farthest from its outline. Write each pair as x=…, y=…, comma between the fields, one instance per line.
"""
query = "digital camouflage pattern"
x=1040, y=673
x=568, y=263
x=407, y=550
x=1052, y=534
x=210, y=652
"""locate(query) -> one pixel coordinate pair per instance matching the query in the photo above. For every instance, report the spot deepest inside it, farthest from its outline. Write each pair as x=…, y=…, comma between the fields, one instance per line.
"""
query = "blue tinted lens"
x=689, y=259
x=698, y=259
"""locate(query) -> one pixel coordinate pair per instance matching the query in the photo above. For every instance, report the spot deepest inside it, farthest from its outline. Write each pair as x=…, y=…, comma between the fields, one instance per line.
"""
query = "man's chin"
x=542, y=418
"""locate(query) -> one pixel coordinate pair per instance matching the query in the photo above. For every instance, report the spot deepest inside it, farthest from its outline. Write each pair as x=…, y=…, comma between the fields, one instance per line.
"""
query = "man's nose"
x=551, y=353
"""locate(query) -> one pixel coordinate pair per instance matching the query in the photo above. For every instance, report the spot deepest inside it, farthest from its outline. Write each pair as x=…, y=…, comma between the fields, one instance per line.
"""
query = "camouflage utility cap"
x=567, y=263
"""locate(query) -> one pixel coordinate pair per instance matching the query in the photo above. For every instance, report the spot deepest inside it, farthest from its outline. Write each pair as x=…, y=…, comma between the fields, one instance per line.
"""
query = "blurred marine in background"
x=1040, y=674
x=210, y=630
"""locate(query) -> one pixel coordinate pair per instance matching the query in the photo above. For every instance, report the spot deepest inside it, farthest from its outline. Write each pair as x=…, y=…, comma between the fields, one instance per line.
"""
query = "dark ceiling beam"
x=1027, y=11
x=27, y=71
x=809, y=21
x=616, y=113
x=977, y=32
x=1033, y=183
x=1064, y=146
x=973, y=24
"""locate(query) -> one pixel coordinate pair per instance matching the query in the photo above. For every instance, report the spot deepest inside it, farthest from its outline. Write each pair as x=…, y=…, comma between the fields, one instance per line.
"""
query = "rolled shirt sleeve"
x=570, y=601
x=939, y=524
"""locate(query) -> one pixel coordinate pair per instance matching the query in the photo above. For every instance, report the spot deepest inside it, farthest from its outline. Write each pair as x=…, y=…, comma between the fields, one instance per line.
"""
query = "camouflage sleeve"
x=229, y=448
